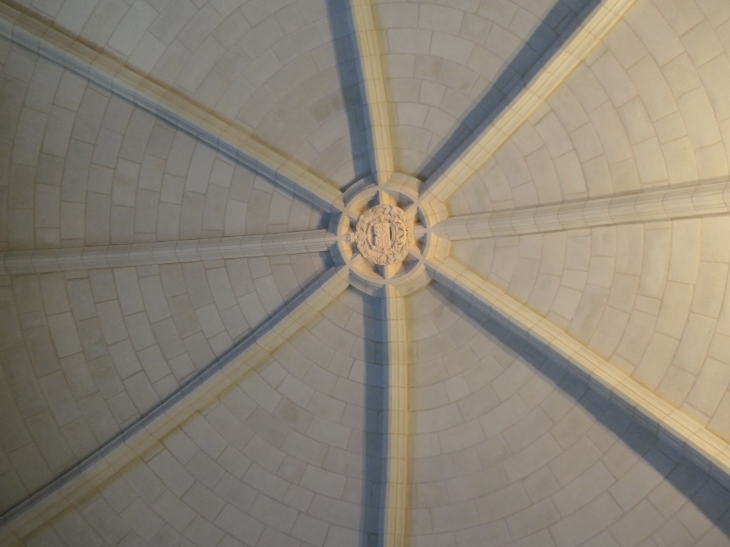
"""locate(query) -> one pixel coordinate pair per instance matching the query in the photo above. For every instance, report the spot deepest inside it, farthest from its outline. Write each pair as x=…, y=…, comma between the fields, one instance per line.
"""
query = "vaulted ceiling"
x=197, y=348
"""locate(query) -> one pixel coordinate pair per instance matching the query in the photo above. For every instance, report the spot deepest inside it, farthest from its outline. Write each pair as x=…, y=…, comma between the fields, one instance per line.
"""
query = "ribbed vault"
x=197, y=350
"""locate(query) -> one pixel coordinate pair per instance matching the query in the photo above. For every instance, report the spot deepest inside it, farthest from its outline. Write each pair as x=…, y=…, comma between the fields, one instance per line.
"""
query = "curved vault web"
x=485, y=283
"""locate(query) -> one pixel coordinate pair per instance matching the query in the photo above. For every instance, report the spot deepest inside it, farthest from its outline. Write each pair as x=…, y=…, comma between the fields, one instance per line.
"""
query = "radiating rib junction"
x=702, y=446
x=383, y=237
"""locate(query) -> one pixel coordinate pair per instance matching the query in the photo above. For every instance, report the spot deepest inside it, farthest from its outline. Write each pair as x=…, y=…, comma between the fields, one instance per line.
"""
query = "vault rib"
x=373, y=87
x=111, y=74
x=672, y=425
x=164, y=252
x=557, y=64
x=396, y=496
x=198, y=393
x=655, y=205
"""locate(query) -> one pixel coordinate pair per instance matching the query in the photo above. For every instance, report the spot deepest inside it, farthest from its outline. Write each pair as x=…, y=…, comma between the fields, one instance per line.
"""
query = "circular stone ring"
x=385, y=236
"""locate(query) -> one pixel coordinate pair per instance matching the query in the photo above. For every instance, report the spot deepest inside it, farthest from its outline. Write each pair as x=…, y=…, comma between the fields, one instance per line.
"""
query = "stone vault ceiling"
x=357, y=272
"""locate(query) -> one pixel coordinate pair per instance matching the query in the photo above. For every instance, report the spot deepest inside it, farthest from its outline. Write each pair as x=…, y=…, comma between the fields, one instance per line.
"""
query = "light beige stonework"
x=494, y=133
x=255, y=352
x=650, y=206
x=697, y=442
x=219, y=224
x=384, y=235
x=152, y=254
x=108, y=72
x=399, y=431
x=368, y=40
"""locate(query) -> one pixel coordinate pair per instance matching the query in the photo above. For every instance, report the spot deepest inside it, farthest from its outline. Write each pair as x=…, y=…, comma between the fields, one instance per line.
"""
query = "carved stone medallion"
x=384, y=234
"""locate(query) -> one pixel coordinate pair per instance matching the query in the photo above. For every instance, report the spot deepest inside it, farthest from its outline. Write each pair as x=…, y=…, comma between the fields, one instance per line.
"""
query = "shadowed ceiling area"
x=316, y=273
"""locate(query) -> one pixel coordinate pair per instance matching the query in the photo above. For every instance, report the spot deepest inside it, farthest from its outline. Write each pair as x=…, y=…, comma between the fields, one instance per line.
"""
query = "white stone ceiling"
x=194, y=351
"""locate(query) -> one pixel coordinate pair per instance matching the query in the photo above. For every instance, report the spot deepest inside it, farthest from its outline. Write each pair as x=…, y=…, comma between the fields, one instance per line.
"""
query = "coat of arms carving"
x=384, y=234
